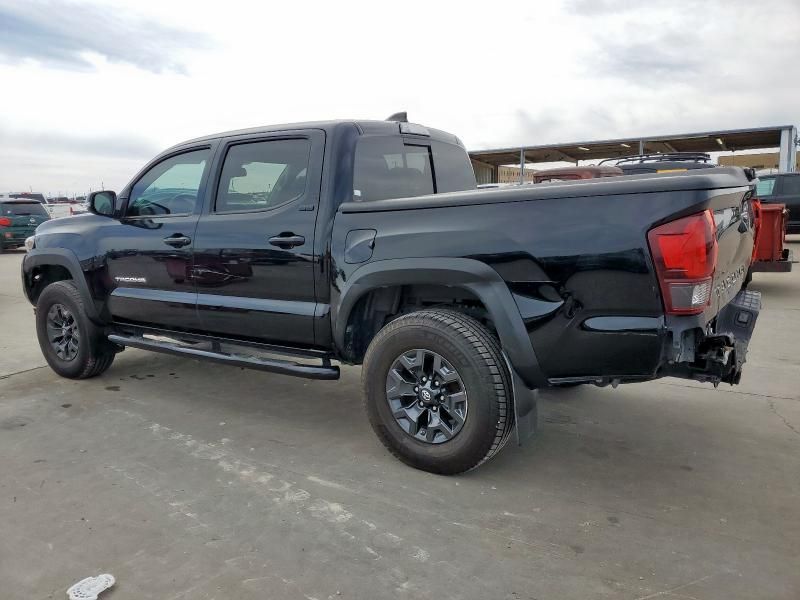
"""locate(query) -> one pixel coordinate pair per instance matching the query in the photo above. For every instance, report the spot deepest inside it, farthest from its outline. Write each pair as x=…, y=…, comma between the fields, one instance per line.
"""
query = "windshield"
x=21, y=209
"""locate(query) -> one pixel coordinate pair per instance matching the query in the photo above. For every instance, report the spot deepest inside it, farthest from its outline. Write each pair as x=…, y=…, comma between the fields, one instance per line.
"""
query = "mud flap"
x=525, y=406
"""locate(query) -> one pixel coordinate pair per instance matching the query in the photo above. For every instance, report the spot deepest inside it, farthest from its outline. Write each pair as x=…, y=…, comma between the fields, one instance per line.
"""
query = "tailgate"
x=711, y=344
x=735, y=241
x=701, y=258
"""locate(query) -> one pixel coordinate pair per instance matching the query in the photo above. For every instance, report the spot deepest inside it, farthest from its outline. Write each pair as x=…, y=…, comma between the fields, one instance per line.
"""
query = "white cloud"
x=144, y=75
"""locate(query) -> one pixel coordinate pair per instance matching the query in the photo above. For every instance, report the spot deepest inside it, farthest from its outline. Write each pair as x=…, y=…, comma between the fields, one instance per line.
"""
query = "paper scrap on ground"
x=90, y=588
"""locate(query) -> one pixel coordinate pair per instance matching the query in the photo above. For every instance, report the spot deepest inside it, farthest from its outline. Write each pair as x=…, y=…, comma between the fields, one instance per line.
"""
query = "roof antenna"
x=402, y=117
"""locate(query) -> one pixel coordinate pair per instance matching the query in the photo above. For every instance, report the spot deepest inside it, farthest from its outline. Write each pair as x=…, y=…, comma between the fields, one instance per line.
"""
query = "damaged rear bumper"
x=717, y=353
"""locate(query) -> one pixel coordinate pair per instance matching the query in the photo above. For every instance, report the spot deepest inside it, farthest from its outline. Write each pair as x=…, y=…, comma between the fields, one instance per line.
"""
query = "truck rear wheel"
x=437, y=391
x=72, y=345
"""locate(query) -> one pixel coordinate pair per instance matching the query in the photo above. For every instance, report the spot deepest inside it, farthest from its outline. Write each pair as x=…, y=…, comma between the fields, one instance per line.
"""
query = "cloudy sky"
x=91, y=91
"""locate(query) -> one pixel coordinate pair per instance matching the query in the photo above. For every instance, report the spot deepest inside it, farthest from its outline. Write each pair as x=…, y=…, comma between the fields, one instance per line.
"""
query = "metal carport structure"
x=783, y=137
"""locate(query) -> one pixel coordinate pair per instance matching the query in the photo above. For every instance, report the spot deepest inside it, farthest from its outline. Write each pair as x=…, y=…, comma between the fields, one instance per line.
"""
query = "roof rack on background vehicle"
x=661, y=157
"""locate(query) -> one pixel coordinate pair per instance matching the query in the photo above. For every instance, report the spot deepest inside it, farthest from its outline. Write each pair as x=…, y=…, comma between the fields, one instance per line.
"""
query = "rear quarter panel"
x=579, y=267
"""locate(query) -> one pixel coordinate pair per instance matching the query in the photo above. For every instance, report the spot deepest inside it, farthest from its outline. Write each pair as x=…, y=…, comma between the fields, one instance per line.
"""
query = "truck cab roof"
x=365, y=127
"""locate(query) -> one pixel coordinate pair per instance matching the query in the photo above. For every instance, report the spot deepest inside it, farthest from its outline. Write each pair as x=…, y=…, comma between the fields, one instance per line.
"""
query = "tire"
x=748, y=278
x=93, y=354
x=467, y=347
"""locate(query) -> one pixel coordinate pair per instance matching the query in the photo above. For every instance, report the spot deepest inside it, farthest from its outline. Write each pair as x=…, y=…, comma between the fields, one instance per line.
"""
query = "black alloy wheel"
x=427, y=396
x=63, y=332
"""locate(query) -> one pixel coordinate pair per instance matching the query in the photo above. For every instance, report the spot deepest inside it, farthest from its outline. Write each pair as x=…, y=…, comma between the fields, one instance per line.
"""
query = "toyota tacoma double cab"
x=291, y=247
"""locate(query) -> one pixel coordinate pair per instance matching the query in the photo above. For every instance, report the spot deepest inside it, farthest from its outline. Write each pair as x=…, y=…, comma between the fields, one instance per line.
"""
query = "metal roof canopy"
x=708, y=141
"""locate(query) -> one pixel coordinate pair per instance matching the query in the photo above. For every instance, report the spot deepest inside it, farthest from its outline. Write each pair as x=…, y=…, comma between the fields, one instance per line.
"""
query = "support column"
x=787, y=157
x=522, y=166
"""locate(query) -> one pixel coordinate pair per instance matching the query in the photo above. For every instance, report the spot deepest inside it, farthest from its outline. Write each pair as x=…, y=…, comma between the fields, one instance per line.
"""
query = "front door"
x=254, y=259
x=149, y=253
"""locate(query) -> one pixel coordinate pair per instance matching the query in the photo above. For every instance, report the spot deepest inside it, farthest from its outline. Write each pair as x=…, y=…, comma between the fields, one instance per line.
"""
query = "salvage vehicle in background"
x=669, y=162
x=771, y=224
x=19, y=219
x=367, y=242
x=573, y=173
x=54, y=210
x=782, y=188
x=76, y=207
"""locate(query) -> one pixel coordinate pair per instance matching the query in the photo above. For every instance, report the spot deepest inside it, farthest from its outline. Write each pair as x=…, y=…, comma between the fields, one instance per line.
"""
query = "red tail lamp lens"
x=685, y=256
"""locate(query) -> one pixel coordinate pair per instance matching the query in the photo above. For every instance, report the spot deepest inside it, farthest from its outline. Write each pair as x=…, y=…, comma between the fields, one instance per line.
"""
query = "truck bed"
x=575, y=256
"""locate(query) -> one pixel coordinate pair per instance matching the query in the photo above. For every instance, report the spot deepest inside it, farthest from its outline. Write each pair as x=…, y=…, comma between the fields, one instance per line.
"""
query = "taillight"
x=685, y=256
x=5, y=222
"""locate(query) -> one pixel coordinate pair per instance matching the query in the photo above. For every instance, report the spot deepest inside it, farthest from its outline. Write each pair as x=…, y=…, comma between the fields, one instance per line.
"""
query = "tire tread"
x=100, y=358
x=485, y=346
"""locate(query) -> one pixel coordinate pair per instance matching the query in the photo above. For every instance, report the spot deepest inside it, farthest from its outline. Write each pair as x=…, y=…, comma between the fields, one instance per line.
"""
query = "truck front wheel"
x=437, y=391
x=72, y=345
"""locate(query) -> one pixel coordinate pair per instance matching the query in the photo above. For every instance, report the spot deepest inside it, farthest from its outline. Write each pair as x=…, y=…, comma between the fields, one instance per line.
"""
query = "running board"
x=283, y=367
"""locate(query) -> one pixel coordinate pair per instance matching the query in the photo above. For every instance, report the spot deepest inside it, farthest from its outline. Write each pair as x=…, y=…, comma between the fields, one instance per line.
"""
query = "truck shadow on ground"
x=587, y=436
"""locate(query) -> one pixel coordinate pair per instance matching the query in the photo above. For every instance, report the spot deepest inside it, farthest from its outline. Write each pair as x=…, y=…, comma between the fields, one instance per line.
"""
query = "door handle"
x=177, y=240
x=287, y=240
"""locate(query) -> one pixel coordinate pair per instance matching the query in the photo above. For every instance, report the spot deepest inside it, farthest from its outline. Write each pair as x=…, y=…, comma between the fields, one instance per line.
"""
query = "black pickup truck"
x=365, y=242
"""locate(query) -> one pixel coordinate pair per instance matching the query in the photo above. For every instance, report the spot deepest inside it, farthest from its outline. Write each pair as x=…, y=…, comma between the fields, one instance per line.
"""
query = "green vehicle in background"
x=19, y=218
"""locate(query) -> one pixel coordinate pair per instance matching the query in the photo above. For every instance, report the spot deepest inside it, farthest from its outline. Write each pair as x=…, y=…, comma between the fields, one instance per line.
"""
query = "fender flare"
x=62, y=258
x=473, y=275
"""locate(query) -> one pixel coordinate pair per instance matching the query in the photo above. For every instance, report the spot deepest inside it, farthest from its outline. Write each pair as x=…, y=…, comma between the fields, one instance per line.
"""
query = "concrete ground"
x=190, y=480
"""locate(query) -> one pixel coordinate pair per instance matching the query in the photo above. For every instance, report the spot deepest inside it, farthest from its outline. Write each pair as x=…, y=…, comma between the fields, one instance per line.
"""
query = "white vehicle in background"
x=55, y=209
x=64, y=207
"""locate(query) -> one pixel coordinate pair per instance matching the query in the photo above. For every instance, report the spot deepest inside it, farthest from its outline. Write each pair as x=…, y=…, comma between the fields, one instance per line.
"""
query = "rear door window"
x=386, y=167
x=263, y=175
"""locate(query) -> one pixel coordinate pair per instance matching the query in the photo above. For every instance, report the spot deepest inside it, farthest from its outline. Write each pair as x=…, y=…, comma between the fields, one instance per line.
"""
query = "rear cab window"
x=396, y=167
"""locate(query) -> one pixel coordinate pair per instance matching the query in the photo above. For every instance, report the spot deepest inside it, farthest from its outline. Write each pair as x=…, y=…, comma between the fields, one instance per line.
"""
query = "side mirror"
x=103, y=203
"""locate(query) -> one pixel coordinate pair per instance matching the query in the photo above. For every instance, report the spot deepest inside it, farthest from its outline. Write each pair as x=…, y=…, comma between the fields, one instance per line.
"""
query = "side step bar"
x=284, y=367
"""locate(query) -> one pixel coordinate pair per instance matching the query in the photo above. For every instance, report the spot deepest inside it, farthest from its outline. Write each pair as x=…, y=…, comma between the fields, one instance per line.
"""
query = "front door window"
x=171, y=187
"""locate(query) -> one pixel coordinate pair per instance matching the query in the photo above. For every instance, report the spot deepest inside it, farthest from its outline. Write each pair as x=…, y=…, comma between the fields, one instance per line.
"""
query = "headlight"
x=30, y=243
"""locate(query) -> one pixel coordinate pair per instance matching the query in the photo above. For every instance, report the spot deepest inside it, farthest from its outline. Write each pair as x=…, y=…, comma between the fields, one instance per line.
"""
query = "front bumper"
x=718, y=353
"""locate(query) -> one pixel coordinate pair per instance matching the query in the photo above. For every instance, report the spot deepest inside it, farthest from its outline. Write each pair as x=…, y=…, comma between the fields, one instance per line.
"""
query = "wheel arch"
x=42, y=267
x=472, y=276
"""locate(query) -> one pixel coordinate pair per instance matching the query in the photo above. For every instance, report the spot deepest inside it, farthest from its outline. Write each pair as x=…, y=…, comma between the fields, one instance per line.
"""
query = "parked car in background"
x=19, y=218
x=782, y=188
x=55, y=210
x=75, y=206
x=669, y=162
x=573, y=173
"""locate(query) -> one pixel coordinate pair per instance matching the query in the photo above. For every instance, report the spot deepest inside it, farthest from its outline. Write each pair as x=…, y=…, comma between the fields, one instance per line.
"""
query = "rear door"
x=254, y=258
x=149, y=253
